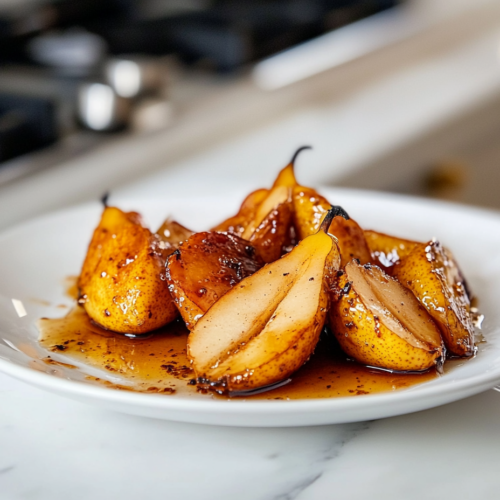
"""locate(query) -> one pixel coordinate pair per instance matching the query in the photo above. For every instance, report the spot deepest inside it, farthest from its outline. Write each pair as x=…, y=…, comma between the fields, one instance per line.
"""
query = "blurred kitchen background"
x=204, y=97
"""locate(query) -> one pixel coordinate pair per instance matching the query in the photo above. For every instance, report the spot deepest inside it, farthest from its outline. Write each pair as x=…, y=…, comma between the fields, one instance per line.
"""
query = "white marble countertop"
x=53, y=448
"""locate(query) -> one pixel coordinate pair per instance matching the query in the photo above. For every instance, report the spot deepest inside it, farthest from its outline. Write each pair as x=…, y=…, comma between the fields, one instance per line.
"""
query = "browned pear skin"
x=432, y=274
x=266, y=327
x=265, y=217
x=238, y=223
x=271, y=228
x=386, y=250
x=373, y=334
x=172, y=234
x=122, y=283
x=310, y=209
x=205, y=267
x=273, y=234
x=280, y=195
x=286, y=177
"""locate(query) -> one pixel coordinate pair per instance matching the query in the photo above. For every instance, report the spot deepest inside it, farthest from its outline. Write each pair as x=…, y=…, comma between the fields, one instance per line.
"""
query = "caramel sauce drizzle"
x=158, y=363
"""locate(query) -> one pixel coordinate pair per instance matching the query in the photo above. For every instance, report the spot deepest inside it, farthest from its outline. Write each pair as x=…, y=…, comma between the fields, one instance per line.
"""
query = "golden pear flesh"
x=267, y=326
x=237, y=223
x=380, y=323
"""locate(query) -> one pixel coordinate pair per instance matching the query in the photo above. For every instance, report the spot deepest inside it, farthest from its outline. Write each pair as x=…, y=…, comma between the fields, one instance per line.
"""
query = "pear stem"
x=104, y=199
x=294, y=157
x=335, y=211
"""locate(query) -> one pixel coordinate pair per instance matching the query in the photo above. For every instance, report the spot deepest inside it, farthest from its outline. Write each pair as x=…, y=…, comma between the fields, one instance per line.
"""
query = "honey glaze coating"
x=157, y=363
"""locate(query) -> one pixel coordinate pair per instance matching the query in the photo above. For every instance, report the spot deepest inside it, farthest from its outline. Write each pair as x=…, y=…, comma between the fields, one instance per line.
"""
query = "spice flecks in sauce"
x=157, y=363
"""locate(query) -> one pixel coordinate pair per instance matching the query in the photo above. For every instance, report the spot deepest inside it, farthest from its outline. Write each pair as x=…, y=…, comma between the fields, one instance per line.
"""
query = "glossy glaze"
x=157, y=363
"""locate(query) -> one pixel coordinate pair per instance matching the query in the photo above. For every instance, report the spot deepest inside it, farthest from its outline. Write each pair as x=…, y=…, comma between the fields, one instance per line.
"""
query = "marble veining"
x=297, y=489
x=336, y=437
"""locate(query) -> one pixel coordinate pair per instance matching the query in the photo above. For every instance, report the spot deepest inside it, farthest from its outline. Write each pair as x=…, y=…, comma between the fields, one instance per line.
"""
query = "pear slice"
x=266, y=216
x=257, y=206
x=310, y=209
x=172, y=234
x=386, y=250
x=272, y=236
x=204, y=268
x=432, y=274
x=237, y=223
x=266, y=327
x=122, y=283
x=378, y=322
x=279, y=195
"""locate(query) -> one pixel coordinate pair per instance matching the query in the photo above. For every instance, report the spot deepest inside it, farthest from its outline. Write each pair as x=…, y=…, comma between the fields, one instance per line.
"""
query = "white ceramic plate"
x=36, y=257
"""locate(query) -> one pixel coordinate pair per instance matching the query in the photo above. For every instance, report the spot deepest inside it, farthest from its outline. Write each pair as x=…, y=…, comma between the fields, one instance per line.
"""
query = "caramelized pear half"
x=380, y=323
x=432, y=274
x=122, y=283
x=386, y=250
x=268, y=325
x=351, y=240
x=204, y=268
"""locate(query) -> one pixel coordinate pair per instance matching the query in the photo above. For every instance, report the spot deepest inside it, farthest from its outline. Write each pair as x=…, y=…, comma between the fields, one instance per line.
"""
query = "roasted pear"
x=271, y=228
x=432, y=274
x=204, y=268
x=122, y=283
x=386, y=250
x=265, y=217
x=237, y=223
x=258, y=204
x=310, y=208
x=266, y=327
x=309, y=211
x=274, y=235
x=380, y=323
x=172, y=234
x=280, y=194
